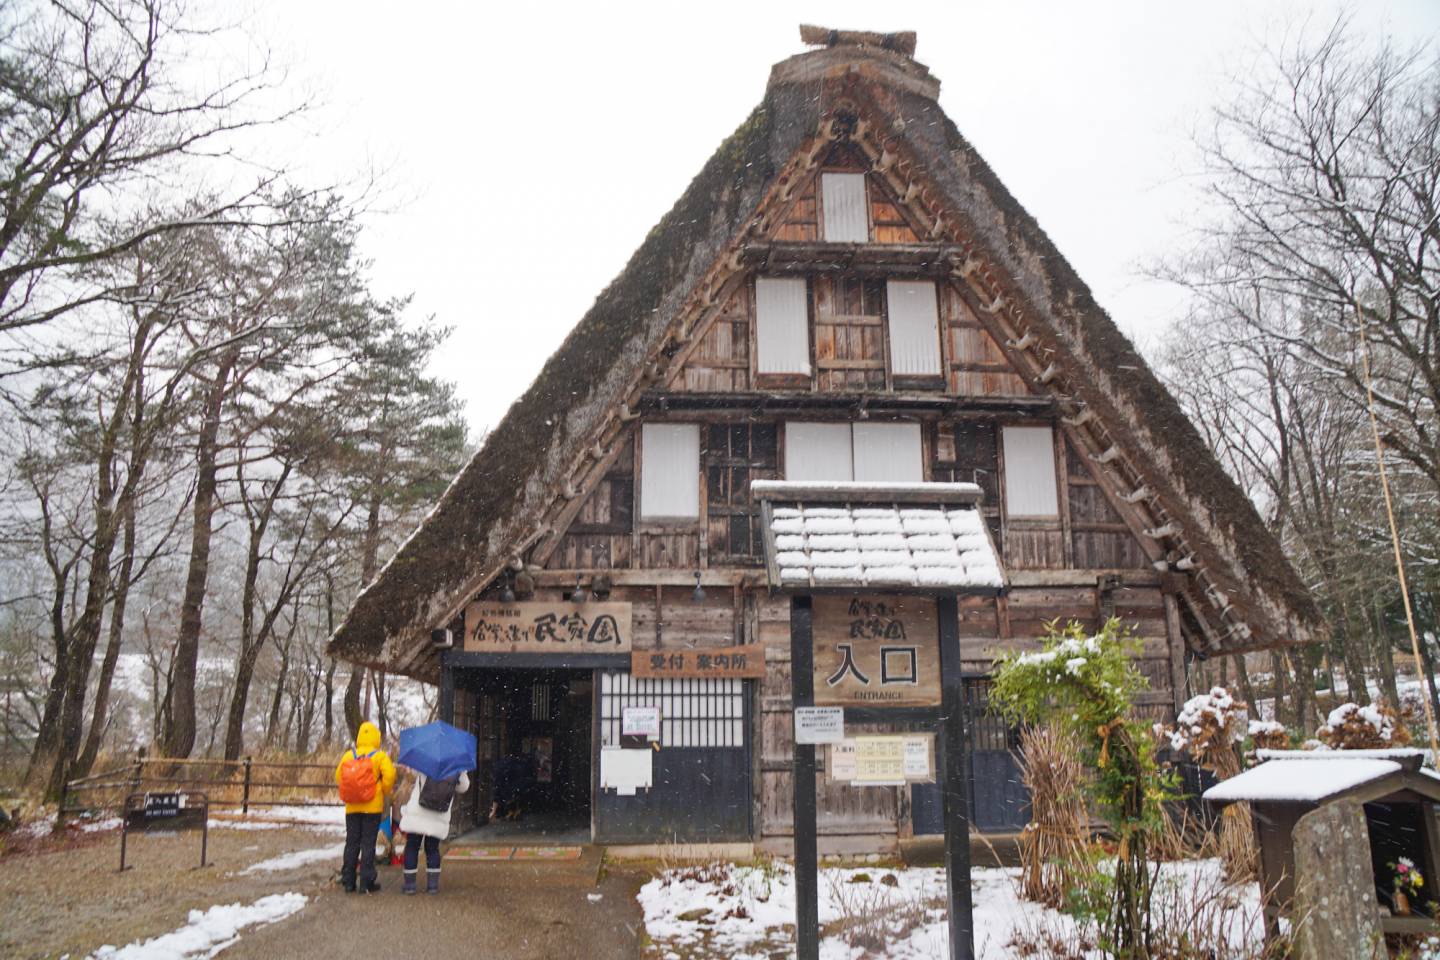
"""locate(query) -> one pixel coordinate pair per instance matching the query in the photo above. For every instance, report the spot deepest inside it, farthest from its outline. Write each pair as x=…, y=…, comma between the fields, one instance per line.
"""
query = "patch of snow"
x=1301, y=780
x=743, y=910
x=294, y=860
x=207, y=932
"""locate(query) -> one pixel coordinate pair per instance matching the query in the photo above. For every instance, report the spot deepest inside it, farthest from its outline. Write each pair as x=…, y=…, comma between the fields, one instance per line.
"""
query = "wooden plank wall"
x=977, y=366
x=850, y=343
x=848, y=819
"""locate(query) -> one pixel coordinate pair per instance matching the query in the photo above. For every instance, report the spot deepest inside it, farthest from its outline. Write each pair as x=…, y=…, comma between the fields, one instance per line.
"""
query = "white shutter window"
x=782, y=326
x=842, y=196
x=1030, y=483
x=914, y=327
x=670, y=471
x=888, y=452
x=818, y=451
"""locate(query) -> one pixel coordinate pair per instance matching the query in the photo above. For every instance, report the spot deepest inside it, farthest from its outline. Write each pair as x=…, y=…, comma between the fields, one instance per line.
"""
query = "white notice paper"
x=819, y=724
x=917, y=758
x=626, y=771
x=640, y=722
x=842, y=761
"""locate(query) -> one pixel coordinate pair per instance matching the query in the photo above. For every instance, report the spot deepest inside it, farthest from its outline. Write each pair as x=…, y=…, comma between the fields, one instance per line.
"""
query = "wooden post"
x=956, y=786
x=244, y=799
x=807, y=877
x=446, y=706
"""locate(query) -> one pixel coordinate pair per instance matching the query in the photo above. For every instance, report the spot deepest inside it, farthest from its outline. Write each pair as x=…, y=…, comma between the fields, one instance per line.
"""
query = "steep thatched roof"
x=498, y=502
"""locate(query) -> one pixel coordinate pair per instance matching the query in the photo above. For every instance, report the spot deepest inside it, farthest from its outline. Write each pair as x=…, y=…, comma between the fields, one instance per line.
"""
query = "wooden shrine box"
x=1399, y=799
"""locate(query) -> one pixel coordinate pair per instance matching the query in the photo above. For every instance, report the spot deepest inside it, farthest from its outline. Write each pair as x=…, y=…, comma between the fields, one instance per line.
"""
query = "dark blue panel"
x=1000, y=801
x=699, y=795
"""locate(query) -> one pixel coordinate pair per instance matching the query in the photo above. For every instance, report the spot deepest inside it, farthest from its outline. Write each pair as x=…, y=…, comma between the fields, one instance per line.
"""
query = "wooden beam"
x=713, y=577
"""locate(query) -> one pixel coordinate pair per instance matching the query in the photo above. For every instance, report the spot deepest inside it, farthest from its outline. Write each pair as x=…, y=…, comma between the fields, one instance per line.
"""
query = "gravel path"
x=74, y=900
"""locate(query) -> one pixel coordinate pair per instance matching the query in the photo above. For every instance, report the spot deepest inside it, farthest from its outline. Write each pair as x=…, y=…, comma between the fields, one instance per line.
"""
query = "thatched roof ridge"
x=501, y=496
x=503, y=489
x=1240, y=550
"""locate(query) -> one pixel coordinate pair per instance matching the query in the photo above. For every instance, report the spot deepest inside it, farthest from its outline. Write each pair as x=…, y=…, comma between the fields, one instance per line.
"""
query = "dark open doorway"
x=534, y=769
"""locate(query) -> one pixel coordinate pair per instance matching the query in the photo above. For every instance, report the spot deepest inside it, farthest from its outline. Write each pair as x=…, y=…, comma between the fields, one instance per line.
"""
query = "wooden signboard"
x=876, y=651
x=741, y=661
x=540, y=627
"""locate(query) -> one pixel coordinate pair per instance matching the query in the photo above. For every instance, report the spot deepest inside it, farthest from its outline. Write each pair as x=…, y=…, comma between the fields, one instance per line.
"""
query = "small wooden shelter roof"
x=926, y=537
x=1323, y=776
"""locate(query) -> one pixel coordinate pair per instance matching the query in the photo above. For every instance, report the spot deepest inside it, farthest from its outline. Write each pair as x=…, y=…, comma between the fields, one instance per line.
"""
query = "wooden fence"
x=242, y=783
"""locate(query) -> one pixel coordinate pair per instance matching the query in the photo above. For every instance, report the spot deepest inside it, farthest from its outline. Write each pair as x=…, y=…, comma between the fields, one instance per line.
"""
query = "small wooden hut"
x=1399, y=797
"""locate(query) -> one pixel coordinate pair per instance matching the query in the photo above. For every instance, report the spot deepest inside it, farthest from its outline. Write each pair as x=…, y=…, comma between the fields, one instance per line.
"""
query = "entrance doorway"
x=533, y=728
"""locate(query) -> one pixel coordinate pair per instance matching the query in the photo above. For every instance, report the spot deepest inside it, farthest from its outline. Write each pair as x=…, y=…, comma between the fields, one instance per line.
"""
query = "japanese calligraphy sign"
x=876, y=651
x=540, y=627
x=742, y=661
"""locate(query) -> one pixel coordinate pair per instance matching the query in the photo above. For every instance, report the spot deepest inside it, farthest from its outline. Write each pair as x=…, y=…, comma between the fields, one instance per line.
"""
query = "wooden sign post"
x=875, y=654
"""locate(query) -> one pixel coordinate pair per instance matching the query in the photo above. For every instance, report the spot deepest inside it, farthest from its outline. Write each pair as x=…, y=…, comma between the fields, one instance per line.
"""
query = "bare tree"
x=1325, y=176
x=94, y=117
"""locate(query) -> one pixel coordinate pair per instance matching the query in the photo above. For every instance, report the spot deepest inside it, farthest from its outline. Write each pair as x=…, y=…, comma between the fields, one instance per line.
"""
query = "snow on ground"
x=326, y=818
x=294, y=859
x=208, y=931
x=740, y=911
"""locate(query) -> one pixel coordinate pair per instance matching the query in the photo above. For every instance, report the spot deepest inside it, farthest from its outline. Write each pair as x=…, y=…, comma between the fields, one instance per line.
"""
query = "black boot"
x=432, y=880
x=409, y=885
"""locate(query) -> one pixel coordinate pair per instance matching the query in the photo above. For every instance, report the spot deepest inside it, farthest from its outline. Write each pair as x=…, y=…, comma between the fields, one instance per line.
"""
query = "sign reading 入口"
x=540, y=627
x=877, y=651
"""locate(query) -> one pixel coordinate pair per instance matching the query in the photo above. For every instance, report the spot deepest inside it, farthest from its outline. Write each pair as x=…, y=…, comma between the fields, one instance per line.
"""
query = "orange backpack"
x=357, y=778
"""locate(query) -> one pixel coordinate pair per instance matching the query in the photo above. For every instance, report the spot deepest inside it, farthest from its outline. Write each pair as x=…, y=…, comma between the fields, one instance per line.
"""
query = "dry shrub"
x=1269, y=735
x=870, y=918
x=1053, y=844
x=1208, y=728
x=1353, y=727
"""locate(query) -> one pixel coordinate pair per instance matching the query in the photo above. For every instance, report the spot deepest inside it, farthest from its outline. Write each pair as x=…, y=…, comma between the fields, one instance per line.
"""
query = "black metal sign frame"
x=955, y=782
x=147, y=812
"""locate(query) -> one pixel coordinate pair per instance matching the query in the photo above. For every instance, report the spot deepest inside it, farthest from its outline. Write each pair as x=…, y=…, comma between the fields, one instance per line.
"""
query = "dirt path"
x=483, y=910
x=74, y=900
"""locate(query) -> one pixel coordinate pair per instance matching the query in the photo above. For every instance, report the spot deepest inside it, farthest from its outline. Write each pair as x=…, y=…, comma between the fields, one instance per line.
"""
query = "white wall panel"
x=782, y=325
x=842, y=197
x=1030, y=483
x=914, y=327
x=888, y=452
x=669, y=471
x=818, y=451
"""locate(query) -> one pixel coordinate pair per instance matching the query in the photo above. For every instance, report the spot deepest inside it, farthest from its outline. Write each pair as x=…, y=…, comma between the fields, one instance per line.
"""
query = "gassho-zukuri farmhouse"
x=846, y=364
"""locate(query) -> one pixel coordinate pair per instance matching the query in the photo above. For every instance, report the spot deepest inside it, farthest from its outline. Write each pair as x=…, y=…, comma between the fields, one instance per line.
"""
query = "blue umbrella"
x=437, y=750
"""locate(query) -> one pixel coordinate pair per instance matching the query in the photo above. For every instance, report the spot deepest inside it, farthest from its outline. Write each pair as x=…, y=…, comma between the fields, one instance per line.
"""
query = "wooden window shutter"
x=782, y=326
x=818, y=452
x=914, y=328
x=1030, y=481
x=842, y=198
x=670, y=471
x=888, y=452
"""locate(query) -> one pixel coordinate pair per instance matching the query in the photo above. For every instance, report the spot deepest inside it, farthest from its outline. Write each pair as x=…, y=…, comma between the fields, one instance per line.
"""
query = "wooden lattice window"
x=693, y=713
x=735, y=454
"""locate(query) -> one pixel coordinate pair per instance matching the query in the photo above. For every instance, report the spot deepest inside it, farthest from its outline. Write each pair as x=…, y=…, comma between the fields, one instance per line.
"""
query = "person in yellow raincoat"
x=365, y=777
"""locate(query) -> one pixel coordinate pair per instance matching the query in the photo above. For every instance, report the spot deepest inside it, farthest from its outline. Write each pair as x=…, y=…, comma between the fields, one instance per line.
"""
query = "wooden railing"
x=242, y=783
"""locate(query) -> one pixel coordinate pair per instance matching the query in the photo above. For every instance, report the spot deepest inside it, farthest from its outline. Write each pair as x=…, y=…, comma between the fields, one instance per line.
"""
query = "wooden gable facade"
x=853, y=323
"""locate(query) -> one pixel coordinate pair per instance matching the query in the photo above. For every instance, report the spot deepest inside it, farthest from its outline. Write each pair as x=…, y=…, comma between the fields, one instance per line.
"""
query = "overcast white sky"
x=529, y=148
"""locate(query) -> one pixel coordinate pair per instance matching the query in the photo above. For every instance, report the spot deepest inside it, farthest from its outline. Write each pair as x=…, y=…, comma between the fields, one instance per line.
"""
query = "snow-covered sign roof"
x=907, y=536
x=1317, y=776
